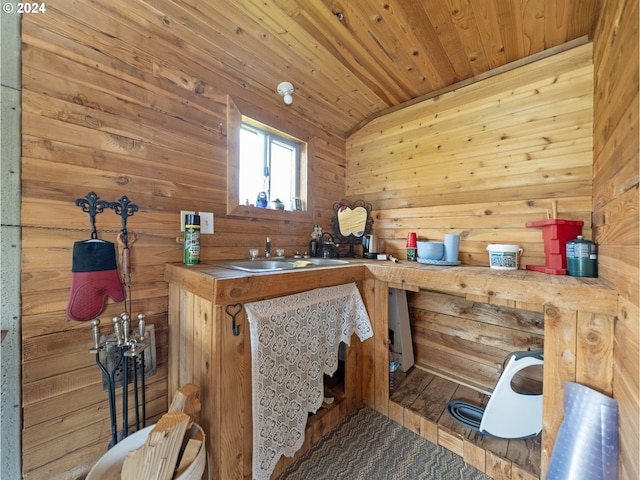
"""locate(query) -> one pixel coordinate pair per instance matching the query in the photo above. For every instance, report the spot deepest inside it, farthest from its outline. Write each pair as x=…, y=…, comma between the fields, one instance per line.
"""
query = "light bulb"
x=286, y=89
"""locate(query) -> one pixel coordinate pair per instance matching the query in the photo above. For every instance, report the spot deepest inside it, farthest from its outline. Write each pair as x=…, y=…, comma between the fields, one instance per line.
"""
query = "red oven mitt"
x=94, y=277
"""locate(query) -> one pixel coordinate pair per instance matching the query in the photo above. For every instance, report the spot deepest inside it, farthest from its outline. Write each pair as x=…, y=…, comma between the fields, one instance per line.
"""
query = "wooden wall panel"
x=615, y=204
x=466, y=340
x=434, y=168
x=121, y=100
x=482, y=160
x=115, y=102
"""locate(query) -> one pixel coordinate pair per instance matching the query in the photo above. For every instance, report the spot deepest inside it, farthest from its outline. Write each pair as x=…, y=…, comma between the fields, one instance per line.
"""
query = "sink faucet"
x=267, y=252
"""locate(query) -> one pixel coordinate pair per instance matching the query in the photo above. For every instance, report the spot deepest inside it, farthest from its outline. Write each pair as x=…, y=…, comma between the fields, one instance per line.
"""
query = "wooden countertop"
x=562, y=291
x=226, y=286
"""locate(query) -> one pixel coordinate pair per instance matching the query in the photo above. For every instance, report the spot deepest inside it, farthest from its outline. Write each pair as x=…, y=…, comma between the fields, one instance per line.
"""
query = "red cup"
x=411, y=240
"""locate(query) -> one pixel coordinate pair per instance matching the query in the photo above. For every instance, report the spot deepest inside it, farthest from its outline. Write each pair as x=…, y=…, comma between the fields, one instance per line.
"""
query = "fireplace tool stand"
x=126, y=350
x=122, y=352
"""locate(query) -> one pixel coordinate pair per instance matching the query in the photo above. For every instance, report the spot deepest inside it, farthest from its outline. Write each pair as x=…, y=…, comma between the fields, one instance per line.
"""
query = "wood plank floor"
x=419, y=403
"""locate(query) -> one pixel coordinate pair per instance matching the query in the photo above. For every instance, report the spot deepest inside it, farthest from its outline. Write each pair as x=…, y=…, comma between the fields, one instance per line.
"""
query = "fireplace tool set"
x=125, y=351
x=120, y=353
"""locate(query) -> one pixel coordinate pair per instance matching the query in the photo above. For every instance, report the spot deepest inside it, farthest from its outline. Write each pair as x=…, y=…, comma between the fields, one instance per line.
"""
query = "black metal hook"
x=235, y=328
x=92, y=206
x=124, y=208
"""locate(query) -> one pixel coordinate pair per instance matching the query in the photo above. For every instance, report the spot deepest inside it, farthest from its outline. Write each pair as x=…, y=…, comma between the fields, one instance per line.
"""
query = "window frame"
x=235, y=205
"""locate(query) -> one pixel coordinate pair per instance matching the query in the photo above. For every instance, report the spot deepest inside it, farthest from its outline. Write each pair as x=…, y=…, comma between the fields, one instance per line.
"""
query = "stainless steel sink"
x=262, y=265
x=325, y=261
x=255, y=265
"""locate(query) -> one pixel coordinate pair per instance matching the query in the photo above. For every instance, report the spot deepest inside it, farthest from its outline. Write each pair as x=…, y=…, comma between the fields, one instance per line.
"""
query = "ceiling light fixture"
x=286, y=89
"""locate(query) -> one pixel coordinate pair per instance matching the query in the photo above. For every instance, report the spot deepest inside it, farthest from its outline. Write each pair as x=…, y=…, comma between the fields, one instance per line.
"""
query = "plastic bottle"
x=394, y=364
x=191, y=239
x=582, y=258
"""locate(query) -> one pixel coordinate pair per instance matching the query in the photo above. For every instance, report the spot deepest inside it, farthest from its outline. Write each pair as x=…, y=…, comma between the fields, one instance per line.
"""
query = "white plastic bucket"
x=109, y=467
x=504, y=257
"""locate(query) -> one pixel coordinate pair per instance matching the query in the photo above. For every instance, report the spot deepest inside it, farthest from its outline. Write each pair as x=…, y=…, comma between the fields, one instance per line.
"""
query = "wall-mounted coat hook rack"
x=124, y=208
x=93, y=206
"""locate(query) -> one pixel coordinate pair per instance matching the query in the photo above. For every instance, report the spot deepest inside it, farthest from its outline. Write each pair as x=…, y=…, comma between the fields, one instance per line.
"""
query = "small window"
x=269, y=168
x=266, y=162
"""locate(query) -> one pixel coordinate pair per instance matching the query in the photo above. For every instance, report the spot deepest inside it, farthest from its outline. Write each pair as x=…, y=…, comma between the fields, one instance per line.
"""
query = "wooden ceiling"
x=349, y=60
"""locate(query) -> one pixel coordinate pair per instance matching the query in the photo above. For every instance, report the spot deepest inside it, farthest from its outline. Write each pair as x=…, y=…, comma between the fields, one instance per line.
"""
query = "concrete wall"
x=10, y=238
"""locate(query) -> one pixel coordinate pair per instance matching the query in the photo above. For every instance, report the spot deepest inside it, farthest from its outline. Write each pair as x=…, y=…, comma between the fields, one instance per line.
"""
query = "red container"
x=556, y=233
x=412, y=240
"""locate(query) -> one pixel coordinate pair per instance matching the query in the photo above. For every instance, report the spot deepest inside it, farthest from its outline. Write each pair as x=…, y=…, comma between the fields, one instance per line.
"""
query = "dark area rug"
x=369, y=446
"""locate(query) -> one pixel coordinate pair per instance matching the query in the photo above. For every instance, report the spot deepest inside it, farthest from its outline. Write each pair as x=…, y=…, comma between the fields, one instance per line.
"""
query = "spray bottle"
x=191, y=239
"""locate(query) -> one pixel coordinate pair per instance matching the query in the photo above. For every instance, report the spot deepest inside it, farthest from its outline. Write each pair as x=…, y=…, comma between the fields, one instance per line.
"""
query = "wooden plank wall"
x=615, y=204
x=482, y=160
x=114, y=102
x=466, y=340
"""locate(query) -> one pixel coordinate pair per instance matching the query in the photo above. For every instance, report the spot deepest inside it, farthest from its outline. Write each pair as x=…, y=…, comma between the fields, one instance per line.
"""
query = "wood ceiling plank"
x=309, y=60
x=418, y=60
x=582, y=18
x=428, y=46
x=533, y=23
x=382, y=54
x=556, y=22
x=388, y=33
x=213, y=35
x=390, y=53
x=510, y=20
x=373, y=95
x=489, y=31
x=464, y=19
x=281, y=49
x=351, y=37
x=440, y=18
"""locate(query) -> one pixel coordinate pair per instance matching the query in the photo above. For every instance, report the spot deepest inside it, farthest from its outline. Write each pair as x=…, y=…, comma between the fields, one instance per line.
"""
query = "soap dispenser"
x=314, y=245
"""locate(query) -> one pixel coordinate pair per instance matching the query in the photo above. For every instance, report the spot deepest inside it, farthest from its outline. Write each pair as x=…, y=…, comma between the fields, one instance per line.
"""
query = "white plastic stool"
x=510, y=414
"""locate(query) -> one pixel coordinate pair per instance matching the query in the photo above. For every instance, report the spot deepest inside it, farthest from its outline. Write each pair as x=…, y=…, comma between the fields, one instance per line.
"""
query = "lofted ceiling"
x=350, y=60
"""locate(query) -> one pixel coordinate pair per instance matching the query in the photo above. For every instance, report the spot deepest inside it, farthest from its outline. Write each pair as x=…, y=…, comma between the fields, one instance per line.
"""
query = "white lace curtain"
x=294, y=342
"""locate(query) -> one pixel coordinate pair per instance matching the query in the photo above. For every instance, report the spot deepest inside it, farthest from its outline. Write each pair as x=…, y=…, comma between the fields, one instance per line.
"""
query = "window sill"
x=270, y=214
